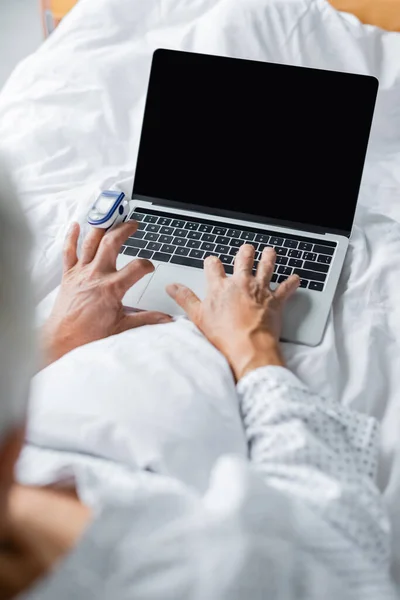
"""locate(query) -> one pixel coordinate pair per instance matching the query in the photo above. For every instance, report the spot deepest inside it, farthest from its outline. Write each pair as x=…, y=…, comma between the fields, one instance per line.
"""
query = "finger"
x=91, y=244
x=266, y=266
x=213, y=270
x=287, y=288
x=70, y=256
x=244, y=261
x=131, y=273
x=110, y=245
x=185, y=298
x=144, y=318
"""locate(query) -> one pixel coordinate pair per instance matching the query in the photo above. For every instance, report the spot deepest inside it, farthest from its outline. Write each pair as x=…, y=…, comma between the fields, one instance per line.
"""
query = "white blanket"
x=70, y=119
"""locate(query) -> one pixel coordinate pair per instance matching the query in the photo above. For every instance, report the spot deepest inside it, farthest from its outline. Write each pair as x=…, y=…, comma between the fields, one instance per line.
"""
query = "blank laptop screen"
x=280, y=142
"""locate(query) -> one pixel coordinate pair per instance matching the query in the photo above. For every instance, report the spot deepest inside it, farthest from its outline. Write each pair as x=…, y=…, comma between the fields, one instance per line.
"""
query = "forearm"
x=318, y=451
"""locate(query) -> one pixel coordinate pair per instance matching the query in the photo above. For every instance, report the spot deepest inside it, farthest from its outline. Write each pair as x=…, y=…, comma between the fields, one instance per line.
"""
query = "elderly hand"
x=89, y=304
x=240, y=315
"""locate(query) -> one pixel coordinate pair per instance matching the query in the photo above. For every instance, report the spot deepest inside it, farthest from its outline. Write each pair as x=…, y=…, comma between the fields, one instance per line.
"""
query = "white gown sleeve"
x=317, y=452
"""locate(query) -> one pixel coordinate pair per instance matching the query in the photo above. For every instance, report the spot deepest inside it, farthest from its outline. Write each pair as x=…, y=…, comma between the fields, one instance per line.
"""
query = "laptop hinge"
x=240, y=216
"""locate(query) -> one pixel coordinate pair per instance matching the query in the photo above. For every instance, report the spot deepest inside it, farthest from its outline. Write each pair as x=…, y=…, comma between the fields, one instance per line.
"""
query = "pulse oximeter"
x=109, y=210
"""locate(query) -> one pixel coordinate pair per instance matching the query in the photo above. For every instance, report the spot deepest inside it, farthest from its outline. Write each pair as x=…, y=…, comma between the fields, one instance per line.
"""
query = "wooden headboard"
x=382, y=13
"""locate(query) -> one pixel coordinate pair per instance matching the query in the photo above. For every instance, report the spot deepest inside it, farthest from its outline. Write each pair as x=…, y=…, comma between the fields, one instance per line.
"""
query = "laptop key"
x=167, y=230
x=136, y=217
x=323, y=258
x=314, y=266
x=310, y=275
x=285, y=270
x=274, y=278
x=153, y=228
x=222, y=240
x=142, y=226
x=236, y=243
x=281, y=251
x=194, y=235
x=177, y=223
x=314, y=285
x=247, y=236
x=222, y=249
x=206, y=228
x=145, y=254
x=228, y=269
x=282, y=260
x=225, y=259
x=186, y=261
x=121, y=250
x=294, y=253
x=323, y=250
x=139, y=234
x=303, y=283
x=233, y=251
x=219, y=230
x=263, y=239
x=290, y=244
x=153, y=246
x=136, y=243
x=151, y=237
x=182, y=251
x=168, y=249
x=165, y=239
x=196, y=253
x=282, y=278
x=161, y=256
x=276, y=241
x=150, y=219
x=163, y=221
x=207, y=247
x=306, y=246
x=210, y=254
x=295, y=262
x=180, y=233
x=208, y=237
x=193, y=244
x=309, y=256
x=192, y=226
x=179, y=241
x=233, y=233
x=131, y=251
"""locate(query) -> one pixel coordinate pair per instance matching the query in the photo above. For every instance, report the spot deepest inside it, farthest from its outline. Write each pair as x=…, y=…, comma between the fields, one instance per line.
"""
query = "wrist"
x=52, y=345
x=253, y=354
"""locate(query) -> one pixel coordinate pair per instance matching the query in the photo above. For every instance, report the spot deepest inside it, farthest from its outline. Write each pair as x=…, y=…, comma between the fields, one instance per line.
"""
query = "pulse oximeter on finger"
x=109, y=210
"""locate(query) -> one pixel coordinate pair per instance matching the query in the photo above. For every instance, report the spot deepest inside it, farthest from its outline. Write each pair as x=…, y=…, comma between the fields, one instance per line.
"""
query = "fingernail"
x=164, y=319
x=173, y=288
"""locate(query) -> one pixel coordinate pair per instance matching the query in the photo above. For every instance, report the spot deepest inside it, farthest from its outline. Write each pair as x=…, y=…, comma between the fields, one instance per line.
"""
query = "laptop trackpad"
x=156, y=298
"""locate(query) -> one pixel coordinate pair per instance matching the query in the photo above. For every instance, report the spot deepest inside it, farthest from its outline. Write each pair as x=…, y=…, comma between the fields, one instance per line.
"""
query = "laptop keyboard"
x=172, y=239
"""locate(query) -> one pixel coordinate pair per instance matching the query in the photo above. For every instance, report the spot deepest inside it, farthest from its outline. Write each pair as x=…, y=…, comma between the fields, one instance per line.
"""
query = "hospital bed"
x=70, y=119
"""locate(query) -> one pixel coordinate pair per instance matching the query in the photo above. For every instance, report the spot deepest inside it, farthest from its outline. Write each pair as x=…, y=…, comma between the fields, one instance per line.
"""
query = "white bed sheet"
x=70, y=119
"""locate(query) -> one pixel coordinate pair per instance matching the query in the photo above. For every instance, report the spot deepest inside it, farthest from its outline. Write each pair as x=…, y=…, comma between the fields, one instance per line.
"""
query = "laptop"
x=238, y=151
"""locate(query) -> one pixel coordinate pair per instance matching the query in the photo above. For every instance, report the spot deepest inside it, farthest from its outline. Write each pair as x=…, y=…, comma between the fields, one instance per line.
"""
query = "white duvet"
x=70, y=119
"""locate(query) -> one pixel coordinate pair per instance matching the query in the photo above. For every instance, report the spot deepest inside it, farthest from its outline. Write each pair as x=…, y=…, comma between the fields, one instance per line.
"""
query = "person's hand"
x=240, y=315
x=89, y=304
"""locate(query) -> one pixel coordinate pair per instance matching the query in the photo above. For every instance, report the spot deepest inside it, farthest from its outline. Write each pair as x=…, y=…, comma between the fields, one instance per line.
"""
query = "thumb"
x=141, y=318
x=185, y=298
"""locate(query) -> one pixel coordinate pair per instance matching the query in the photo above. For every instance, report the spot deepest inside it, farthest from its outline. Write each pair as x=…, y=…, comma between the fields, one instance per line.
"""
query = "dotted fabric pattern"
x=320, y=452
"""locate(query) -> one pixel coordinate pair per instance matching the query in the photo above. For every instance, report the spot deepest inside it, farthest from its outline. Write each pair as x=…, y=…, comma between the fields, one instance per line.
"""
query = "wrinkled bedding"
x=70, y=119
